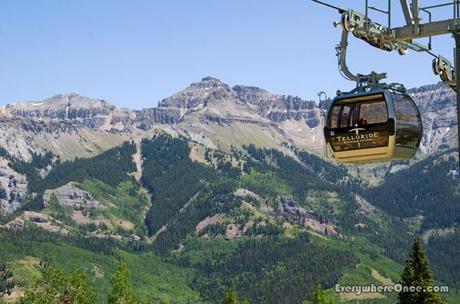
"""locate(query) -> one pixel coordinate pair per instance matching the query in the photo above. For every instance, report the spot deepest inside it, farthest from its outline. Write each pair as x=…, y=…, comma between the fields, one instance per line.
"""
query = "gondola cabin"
x=372, y=125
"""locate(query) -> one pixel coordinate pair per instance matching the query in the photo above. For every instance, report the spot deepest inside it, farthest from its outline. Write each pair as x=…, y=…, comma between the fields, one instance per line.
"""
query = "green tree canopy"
x=231, y=297
x=320, y=297
x=55, y=286
x=417, y=273
x=122, y=289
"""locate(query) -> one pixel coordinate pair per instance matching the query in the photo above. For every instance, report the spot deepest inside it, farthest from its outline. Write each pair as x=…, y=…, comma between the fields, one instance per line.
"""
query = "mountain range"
x=217, y=183
x=277, y=120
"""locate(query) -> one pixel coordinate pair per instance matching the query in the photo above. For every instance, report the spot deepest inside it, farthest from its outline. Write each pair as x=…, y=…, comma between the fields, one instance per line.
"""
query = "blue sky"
x=134, y=53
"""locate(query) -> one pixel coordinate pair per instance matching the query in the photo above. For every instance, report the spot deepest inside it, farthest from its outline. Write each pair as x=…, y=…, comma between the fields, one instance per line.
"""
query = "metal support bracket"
x=361, y=80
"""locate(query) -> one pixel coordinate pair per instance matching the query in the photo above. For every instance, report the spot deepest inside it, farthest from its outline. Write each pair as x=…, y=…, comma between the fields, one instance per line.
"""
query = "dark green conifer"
x=122, y=289
x=231, y=297
x=417, y=273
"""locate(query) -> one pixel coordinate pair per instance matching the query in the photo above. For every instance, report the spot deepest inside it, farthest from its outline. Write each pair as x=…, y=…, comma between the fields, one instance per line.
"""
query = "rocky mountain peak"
x=209, y=82
x=62, y=106
x=200, y=94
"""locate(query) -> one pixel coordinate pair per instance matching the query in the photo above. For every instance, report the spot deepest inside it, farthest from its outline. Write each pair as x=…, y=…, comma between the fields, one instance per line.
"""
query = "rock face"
x=437, y=105
x=13, y=188
x=293, y=212
x=15, y=225
x=279, y=108
x=70, y=196
x=147, y=118
x=69, y=106
x=44, y=221
x=36, y=217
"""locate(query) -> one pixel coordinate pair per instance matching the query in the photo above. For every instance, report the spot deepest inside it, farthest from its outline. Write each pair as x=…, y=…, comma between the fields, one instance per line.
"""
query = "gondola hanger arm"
x=370, y=79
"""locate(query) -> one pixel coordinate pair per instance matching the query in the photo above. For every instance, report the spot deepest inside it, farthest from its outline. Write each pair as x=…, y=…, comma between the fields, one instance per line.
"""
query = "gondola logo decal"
x=357, y=130
x=358, y=138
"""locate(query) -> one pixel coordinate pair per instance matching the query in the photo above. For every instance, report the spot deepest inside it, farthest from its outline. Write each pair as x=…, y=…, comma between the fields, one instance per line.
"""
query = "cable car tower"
x=401, y=39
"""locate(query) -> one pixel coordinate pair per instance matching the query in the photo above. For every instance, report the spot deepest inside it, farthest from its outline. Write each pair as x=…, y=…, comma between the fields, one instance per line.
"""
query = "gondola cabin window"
x=373, y=113
x=408, y=122
x=346, y=117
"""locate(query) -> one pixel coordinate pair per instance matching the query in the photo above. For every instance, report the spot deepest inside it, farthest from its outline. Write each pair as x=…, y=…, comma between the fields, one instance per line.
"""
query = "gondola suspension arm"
x=371, y=79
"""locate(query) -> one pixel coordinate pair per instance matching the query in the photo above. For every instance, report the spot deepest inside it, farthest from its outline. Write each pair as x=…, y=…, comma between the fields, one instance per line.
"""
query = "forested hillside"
x=426, y=189
x=200, y=221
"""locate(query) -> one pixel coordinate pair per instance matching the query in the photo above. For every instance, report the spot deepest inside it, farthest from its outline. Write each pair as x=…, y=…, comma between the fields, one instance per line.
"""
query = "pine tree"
x=231, y=297
x=320, y=297
x=417, y=273
x=122, y=289
x=80, y=290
